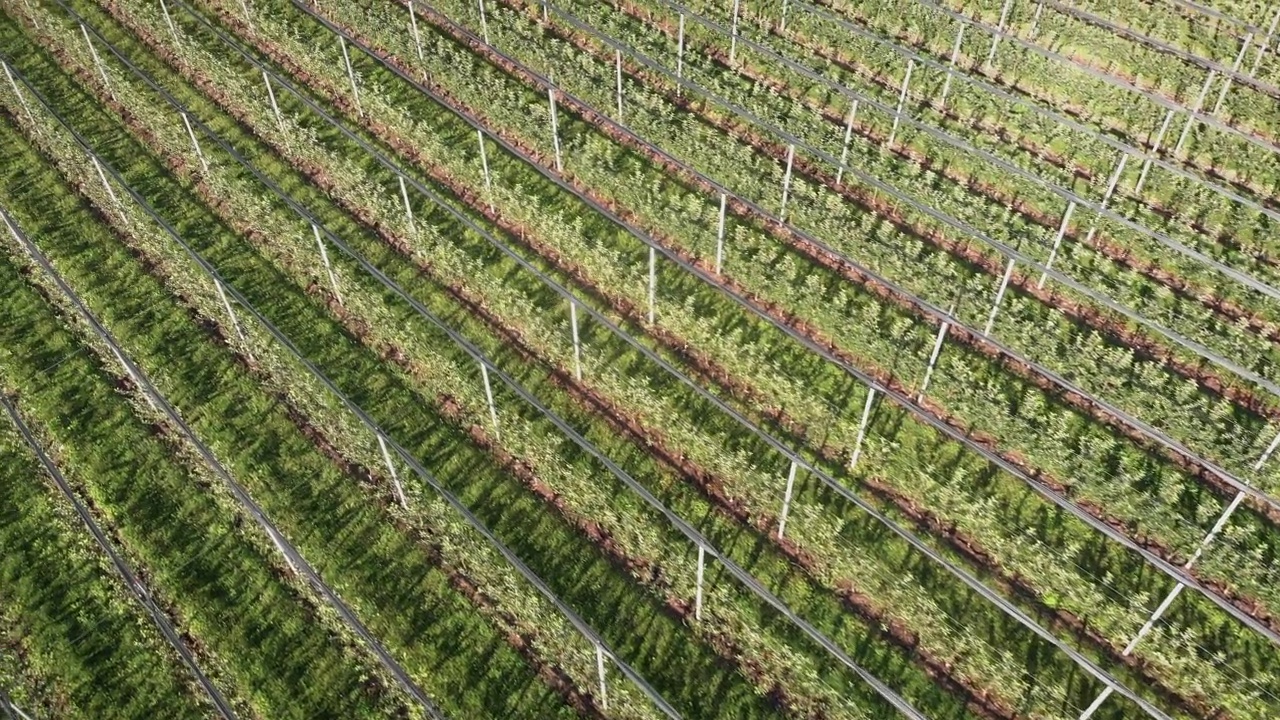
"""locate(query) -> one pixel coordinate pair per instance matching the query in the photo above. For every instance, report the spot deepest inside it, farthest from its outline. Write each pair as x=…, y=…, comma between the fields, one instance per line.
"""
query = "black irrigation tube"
x=581, y=625
x=1125, y=85
x=1161, y=46
x=567, y=430
x=1148, y=430
x=925, y=307
x=791, y=455
x=131, y=581
x=1243, y=278
x=1049, y=493
x=292, y=556
x=920, y=206
x=1035, y=106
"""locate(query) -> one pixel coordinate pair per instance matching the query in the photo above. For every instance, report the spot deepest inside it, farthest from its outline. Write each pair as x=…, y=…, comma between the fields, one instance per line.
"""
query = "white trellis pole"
x=995, y=37
x=786, y=499
x=1155, y=148
x=169, y=21
x=484, y=24
x=324, y=257
x=351, y=75
x=413, y=25
x=604, y=697
x=21, y=98
x=955, y=54
x=31, y=12
x=488, y=393
x=1057, y=242
x=933, y=358
x=577, y=345
x=248, y=19
x=1035, y=19
x=720, y=236
x=862, y=428
x=995, y=306
x=782, y=23
x=786, y=182
x=733, y=38
x=391, y=467
x=102, y=70
x=1266, y=41
x=902, y=99
x=110, y=191
x=848, y=135
x=1235, y=67
x=279, y=543
x=546, y=17
x=1191, y=118
x=555, y=128
x=271, y=93
x=1106, y=198
x=194, y=143
x=235, y=324
x=617, y=60
x=680, y=56
x=408, y=210
x=653, y=282
x=697, y=597
x=484, y=167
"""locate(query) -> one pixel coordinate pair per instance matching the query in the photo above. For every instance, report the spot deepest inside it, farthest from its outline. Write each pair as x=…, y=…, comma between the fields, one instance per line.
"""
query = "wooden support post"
x=391, y=468
x=194, y=143
x=995, y=37
x=862, y=428
x=653, y=283
x=484, y=24
x=1191, y=118
x=697, y=597
x=786, y=182
x=1155, y=149
x=955, y=54
x=720, y=235
x=680, y=57
x=782, y=22
x=164, y=8
x=902, y=99
x=488, y=393
x=271, y=93
x=408, y=209
x=555, y=128
x=235, y=324
x=617, y=60
x=484, y=166
x=577, y=345
x=848, y=135
x=1266, y=41
x=933, y=358
x=604, y=697
x=110, y=192
x=786, y=499
x=324, y=257
x=1035, y=19
x=351, y=75
x=733, y=38
x=1057, y=242
x=102, y=70
x=995, y=306
x=21, y=98
x=413, y=26
x=1235, y=67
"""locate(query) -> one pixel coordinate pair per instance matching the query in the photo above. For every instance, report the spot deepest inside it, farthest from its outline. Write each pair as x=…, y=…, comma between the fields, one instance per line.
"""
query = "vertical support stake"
x=351, y=75
x=110, y=192
x=271, y=93
x=955, y=54
x=555, y=128
x=720, y=236
x=324, y=257
x=902, y=98
x=786, y=182
x=1057, y=242
x=1266, y=41
x=413, y=25
x=1155, y=149
x=653, y=282
x=1191, y=118
x=391, y=467
x=995, y=307
x=933, y=358
x=21, y=98
x=577, y=346
x=234, y=322
x=862, y=428
x=617, y=58
x=484, y=166
x=733, y=39
x=164, y=8
x=680, y=57
x=408, y=210
x=102, y=70
x=697, y=597
x=604, y=698
x=484, y=24
x=1235, y=67
x=786, y=499
x=488, y=393
x=194, y=143
x=848, y=135
x=995, y=37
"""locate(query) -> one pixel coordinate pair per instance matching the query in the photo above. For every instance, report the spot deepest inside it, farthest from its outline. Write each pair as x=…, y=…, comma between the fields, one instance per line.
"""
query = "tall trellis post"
x=786, y=182
x=413, y=26
x=271, y=94
x=111, y=193
x=102, y=69
x=351, y=75
x=653, y=283
x=21, y=98
x=733, y=38
x=555, y=128
x=862, y=428
x=1191, y=118
x=995, y=37
x=786, y=499
x=604, y=696
x=1057, y=241
x=484, y=167
x=955, y=54
x=488, y=394
x=995, y=306
x=848, y=135
x=617, y=60
x=484, y=24
x=324, y=258
x=194, y=143
x=1266, y=42
x=697, y=597
x=1106, y=197
x=235, y=324
x=391, y=468
x=933, y=356
x=577, y=345
x=782, y=22
x=1235, y=67
x=680, y=57
x=408, y=209
x=164, y=8
x=902, y=99
x=1155, y=149
x=720, y=235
